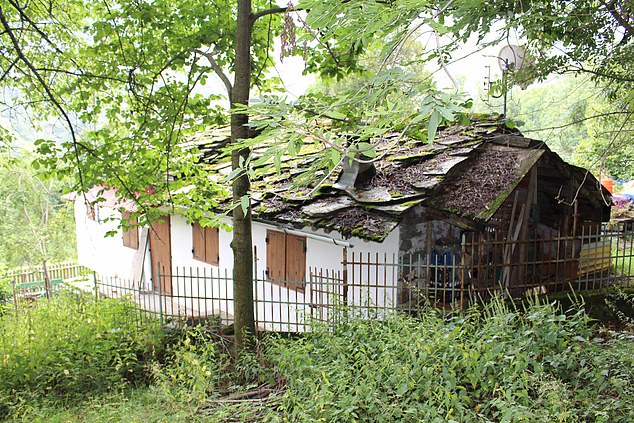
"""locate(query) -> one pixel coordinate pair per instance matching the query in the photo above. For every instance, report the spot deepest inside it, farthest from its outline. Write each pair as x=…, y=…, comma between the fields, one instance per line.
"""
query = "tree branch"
x=618, y=17
x=216, y=67
x=257, y=15
x=20, y=54
x=577, y=121
x=80, y=74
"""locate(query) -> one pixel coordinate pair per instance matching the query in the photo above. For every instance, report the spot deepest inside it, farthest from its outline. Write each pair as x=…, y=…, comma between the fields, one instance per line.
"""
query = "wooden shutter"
x=198, y=241
x=212, y=255
x=130, y=236
x=276, y=255
x=295, y=260
x=161, y=253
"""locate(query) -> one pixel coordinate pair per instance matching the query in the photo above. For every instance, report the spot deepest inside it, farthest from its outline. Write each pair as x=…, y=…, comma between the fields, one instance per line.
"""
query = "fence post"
x=158, y=274
x=94, y=280
x=344, y=275
x=255, y=286
x=15, y=297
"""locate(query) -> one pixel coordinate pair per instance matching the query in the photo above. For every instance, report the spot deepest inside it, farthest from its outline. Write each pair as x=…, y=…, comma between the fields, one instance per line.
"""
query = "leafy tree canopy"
x=35, y=223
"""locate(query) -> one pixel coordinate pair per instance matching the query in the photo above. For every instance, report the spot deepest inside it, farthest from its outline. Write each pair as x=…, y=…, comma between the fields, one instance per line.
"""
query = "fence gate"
x=326, y=294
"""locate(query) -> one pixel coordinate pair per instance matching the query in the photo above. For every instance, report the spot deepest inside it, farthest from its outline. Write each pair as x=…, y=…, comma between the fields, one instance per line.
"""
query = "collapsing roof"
x=468, y=172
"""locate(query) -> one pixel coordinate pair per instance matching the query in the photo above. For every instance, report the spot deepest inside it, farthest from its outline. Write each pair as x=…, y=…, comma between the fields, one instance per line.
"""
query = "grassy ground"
x=533, y=363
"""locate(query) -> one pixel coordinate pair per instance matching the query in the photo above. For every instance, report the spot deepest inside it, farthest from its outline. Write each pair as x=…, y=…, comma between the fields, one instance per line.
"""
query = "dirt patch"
x=473, y=187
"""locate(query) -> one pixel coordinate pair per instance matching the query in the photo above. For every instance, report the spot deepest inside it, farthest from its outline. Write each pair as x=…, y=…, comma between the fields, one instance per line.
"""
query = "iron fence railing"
x=375, y=285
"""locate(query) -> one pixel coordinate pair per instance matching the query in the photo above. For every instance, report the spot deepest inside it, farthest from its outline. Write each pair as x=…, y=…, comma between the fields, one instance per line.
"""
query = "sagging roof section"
x=468, y=172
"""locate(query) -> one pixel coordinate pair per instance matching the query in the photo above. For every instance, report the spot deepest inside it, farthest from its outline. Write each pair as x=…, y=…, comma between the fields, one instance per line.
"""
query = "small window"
x=205, y=244
x=130, y=236
x=286, y=259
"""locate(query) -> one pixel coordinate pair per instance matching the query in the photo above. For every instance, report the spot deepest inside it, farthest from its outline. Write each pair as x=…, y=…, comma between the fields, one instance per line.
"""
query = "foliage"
x=494, y=364
x=35, y=222
x=621, y=304
x=191, y=370
x=577, y=121
x=70, y=348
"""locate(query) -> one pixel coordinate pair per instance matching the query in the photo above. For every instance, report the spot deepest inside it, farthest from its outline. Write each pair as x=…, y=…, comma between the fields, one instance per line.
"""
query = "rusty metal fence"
x=374, y=285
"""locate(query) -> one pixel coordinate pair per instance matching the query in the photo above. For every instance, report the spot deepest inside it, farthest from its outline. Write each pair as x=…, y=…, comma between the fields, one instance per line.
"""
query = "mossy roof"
x=468, y=171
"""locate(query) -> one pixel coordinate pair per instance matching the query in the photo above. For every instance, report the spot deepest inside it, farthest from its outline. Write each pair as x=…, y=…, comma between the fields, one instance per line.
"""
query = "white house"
x=378, y=234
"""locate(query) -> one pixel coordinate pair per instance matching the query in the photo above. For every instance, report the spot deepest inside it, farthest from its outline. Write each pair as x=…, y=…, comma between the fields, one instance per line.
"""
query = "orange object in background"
x=608, y=183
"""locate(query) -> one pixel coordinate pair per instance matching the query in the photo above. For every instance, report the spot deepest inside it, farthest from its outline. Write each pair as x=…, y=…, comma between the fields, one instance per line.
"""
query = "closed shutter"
x=296, y=259
x=198, y=241
x=212, y=255
x=276, y=255
x=131, y=235
x=286, y=259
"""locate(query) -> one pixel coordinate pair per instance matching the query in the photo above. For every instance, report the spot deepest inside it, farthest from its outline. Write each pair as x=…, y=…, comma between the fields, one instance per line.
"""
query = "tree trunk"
x=242, y=236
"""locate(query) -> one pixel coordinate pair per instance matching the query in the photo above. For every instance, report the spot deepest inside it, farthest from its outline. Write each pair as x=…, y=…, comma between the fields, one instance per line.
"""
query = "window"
x=205, y=244
x=286, y=259
x=131, y=235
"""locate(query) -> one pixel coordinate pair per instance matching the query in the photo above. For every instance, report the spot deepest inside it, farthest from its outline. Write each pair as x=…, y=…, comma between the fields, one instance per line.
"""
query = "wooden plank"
x=161, y=253
x=198, y=242
x=130, y=236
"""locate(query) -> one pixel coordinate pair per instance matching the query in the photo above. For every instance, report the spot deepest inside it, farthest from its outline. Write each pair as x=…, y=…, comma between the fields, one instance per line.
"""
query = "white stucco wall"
x=203, y=289
x=105, y=254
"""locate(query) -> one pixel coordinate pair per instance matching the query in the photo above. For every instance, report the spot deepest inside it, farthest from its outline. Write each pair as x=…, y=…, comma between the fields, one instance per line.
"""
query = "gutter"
x=316, y=237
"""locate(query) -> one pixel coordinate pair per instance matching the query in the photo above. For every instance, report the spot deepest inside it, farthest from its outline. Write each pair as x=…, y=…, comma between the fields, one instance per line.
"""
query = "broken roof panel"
x=468, y=171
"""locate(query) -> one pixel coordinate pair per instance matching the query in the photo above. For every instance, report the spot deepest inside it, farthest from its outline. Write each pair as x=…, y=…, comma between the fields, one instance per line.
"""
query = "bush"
x=492, y=363
x=191, y=370
x=70, y=348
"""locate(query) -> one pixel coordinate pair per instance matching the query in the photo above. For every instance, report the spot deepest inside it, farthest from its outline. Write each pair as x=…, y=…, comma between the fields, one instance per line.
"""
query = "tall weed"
x=69, y=348
x=494, y=363
x=190, y=371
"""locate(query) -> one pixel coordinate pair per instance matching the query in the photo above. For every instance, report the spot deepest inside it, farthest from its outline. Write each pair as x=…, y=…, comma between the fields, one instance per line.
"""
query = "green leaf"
x=434, y=122
x=245, y=202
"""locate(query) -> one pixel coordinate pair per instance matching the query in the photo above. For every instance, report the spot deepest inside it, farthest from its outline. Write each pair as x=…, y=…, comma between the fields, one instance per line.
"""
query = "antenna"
x=511, y=58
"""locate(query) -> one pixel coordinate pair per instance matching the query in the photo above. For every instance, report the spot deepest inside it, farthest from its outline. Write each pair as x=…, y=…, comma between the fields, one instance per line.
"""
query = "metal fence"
x=375, y=285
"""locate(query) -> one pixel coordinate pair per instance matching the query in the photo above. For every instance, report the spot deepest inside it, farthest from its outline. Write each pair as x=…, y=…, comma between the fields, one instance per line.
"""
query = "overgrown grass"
x=70, y=348
x=493, y=363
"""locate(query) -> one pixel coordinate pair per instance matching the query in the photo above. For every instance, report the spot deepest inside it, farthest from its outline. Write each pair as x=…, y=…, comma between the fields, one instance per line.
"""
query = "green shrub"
x=191, y=370
x=6, y=291
x=490, y=364
x=70, y=348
